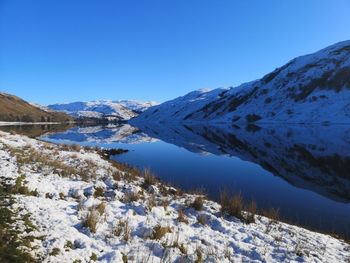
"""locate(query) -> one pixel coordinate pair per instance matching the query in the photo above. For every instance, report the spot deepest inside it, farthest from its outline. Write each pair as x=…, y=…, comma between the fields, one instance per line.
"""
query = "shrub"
x=198, y=203
x=159, y=232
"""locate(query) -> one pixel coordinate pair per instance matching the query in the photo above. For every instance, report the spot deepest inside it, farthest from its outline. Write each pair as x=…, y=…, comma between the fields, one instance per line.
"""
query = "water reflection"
x=303, y=170
x=311, y=157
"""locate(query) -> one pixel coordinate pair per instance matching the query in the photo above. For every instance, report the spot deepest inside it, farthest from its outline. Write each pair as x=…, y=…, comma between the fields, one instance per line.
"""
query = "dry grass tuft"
x=160, y=231
x=131, y=197
x=198, y=203
x=99, y=192
x=123, y=230
x=202, y=219
x=148, y=178
x=91, y=221
x=181, y=216
x=232, y=205
x=101, y=208
x=272, y=213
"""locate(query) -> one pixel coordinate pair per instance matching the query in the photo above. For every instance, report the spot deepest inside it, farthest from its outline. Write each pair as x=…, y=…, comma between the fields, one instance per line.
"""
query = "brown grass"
x=272, y=213
x=181, y=216
x=232, y=205
x=122, y=229
x=202, y=219
x=148, y=178
x=101, y=208
x=160, y=231
x=131, y=197
x=91, y=221
x=99, y=192
x=198, y=203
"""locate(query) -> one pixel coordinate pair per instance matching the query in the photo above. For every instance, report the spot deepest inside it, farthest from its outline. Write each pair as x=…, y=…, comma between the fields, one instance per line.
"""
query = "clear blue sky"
x=67, y=50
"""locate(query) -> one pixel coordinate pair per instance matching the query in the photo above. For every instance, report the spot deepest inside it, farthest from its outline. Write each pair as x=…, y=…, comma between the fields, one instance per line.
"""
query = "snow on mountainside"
x=179, y=108
x=312, y=88
x=121, y=110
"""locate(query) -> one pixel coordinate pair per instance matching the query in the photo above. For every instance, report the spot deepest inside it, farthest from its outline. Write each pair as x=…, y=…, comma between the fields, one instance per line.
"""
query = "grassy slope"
x=13, y=108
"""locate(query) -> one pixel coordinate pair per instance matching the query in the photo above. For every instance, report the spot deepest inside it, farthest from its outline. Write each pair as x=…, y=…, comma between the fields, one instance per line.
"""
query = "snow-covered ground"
x=86, y=208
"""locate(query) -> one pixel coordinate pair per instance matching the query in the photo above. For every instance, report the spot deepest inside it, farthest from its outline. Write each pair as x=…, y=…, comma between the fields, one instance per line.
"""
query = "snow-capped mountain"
x=119, y=110
x=313, y=88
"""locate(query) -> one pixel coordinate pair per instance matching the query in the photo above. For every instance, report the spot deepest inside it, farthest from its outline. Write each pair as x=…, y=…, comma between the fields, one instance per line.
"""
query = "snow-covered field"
x=86, y=209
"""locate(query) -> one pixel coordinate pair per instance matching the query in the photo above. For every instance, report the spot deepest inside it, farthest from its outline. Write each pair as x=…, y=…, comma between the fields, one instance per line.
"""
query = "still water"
x=302, y=170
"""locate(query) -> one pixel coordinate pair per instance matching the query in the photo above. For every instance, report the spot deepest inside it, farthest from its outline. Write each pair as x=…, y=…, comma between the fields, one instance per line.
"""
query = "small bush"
x=159, y=232
x=198, y=203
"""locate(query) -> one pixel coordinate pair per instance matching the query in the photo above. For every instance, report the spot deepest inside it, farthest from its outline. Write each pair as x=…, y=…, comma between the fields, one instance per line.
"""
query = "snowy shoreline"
x=85, y=208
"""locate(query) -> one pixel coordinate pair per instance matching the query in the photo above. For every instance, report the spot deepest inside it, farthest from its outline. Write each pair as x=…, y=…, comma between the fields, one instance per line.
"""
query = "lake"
x=304, y=170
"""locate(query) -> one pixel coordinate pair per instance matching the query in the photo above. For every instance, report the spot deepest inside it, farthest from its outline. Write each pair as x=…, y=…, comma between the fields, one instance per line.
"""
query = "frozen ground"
x=88, y=209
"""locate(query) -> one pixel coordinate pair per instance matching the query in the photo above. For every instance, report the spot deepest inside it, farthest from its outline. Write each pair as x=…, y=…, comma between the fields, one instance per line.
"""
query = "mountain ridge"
x=15, y=109
x=313, y=88
x=113, y=110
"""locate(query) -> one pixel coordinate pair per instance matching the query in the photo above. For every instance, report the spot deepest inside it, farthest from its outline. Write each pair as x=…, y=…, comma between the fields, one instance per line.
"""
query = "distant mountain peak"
x=120, y=110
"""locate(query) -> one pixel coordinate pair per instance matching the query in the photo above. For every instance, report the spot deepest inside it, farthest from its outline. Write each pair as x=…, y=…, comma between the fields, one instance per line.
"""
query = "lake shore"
x=73, y=205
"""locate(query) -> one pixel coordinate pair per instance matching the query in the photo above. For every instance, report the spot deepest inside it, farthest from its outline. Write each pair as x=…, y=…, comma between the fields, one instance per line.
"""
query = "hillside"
x=113, y=110
x=14, y=109
x=310, y=89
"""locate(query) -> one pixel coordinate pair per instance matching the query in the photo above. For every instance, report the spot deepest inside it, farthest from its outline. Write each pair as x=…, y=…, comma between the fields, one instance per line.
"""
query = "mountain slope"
x=312, y=88
x=14, y=109
x=119, y=110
